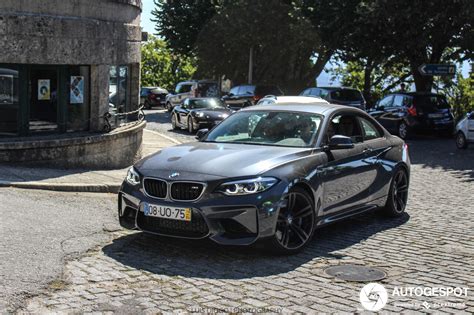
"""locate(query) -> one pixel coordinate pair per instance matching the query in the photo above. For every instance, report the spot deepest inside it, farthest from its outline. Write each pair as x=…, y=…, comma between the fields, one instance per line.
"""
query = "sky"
x=323, y=80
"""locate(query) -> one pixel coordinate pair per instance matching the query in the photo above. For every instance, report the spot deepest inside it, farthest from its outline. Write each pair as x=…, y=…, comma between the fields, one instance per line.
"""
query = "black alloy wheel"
x=174, y=123
x=398, y=195
x=191, y=125
x=295, y=224
x=461, y=141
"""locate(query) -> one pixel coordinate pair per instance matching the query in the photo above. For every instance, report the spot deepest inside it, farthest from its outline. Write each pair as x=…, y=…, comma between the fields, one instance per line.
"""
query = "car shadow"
x=205, y=259
x=430, y=152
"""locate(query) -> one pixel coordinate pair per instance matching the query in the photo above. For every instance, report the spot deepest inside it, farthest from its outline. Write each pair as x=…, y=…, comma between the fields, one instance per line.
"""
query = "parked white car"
x=465, y=131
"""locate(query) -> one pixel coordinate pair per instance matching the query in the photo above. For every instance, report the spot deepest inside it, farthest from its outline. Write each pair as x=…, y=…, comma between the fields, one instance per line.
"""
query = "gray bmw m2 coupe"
x=272, y=174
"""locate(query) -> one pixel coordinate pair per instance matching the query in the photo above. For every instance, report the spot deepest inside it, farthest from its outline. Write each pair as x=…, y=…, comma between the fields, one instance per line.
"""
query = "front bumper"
x=229, y=220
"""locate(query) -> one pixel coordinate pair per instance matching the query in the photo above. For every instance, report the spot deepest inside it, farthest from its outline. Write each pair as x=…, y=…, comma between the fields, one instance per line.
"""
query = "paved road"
x=159, y=120
x=39, y=230
x=433, y=245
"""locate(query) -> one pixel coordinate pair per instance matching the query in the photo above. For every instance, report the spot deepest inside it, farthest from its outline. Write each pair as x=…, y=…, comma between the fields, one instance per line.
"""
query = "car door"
x=231, y=98
x=470, y=127
x=381, y=112
x=182, y=112
x=345, y=176
x=183, y=92
x=375, y=147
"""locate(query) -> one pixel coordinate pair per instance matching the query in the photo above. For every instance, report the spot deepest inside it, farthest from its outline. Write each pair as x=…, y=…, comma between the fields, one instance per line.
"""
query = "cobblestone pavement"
x=431, y=246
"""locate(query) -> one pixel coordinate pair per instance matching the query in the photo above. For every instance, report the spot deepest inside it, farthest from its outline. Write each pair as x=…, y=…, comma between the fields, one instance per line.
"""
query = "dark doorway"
x=43, y=99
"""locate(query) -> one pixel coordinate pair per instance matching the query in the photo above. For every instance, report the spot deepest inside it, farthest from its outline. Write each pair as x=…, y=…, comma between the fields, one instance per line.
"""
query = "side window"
x=247, y=90
x=323, y=93
x=178, y=87
x=315, y=92
x=144, y=92
x=369, y=130
x=408, y=101
x=398, y=100
x=345, y=125
x=386, y=102
x=306, y=92
x=234, y=91
x=185, y=88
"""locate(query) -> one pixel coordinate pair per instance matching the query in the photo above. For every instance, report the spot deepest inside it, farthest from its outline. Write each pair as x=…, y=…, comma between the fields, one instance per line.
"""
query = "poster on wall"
x=77, y=90
x=44, y=92
x=6, y=89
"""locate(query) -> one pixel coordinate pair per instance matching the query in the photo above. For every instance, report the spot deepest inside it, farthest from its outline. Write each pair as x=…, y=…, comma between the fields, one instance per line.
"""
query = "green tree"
x=179, y=22
x=384, y=33
x=286, y=46
x=161, y=67
x=383, y=79
x=459, y=92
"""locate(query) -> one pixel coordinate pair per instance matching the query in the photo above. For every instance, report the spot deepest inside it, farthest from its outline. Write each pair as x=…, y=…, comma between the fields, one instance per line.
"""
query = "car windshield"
x=430, y=102
x=206, y=103
x=346, y=95
x=277, y=128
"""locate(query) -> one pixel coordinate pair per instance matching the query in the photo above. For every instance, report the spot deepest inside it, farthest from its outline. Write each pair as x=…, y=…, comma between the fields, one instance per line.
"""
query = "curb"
x=65, y=187
x=76, y=187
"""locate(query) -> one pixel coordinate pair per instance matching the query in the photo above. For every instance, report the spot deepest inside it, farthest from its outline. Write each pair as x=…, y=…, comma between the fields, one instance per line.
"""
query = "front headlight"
x=247, y=186
x=133, y=178
x=200, y=115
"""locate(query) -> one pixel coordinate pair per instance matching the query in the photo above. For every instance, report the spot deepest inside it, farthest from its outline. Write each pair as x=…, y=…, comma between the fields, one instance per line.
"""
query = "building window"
x=119, y=88
x=9, y=100
x=78, y=109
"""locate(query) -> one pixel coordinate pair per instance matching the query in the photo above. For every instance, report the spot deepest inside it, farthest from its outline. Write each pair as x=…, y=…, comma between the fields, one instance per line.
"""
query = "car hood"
x=217, y=160
x=213, y=113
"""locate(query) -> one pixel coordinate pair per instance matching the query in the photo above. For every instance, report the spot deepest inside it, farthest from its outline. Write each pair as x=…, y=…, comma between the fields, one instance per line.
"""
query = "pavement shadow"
x=442, y=153
x=205, y=259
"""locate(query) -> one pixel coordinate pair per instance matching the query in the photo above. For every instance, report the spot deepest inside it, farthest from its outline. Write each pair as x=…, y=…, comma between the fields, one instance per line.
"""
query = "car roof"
x=316, y=107
x=417, y=93
x=295, y=100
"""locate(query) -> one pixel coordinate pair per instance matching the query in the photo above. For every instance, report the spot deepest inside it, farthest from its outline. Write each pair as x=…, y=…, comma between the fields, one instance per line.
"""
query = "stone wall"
x=118, y=149
x=70, y=32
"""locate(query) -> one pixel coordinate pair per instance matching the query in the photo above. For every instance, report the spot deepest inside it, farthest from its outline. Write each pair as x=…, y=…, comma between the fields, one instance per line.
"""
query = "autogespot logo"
x=373, y=297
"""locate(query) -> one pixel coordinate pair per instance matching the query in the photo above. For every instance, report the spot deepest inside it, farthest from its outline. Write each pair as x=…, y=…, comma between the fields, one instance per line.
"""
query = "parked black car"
x=407, y=113
x=247, y=95
x=337, y=95
x=270, y=173
x=152, y=96
x=197, y=113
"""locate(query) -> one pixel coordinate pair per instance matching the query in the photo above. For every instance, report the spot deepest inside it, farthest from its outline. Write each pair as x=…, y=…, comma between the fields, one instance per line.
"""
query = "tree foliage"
x=287, y=48
x=161, y=67
x=293, y=39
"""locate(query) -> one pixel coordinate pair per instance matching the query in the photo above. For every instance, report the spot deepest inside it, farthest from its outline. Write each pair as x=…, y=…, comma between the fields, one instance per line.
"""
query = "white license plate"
x=167, y=212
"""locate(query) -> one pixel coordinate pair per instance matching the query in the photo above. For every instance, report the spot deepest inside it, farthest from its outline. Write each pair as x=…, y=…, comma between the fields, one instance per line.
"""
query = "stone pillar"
x=99, y=95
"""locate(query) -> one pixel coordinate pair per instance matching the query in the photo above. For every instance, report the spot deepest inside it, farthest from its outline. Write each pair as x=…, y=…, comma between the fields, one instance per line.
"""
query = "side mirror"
x=338, y=142
x=201, y=133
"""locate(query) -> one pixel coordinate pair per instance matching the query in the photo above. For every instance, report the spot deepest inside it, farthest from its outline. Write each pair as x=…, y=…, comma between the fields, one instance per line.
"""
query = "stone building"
x=63, y=62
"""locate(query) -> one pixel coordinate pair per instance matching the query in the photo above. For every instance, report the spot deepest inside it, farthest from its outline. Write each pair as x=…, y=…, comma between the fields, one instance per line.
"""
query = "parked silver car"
x=189, y=89
x=465, y=131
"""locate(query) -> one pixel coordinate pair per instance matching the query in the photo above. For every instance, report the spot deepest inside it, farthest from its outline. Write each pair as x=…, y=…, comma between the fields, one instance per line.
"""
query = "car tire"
x=169, y=107
x=295, y=225
x=398, y=194
x=461, y=141
x=191, y=128
x=403, y=130
x=174, y=123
